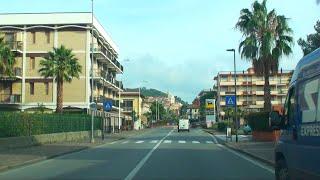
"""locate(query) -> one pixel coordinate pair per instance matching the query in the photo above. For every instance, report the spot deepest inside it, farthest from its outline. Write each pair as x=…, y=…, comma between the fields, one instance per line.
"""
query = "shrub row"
x=259, y=121
x=26, y=124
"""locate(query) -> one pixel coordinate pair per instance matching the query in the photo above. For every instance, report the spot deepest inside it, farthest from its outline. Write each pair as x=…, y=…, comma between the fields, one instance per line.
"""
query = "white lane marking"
x=271, y=170
x=182, y=142
x=209, y=142
x=113, y=142
x=144, y=160
x=139, y=142
x=195, y=142
x=154, y=141
x=167, y=141
x=242, y=156
x=124, y=142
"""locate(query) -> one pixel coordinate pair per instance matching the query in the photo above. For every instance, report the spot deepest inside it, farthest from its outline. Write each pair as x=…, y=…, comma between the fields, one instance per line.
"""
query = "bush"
x=25, y=124
x=222, y=125
x=258, y=121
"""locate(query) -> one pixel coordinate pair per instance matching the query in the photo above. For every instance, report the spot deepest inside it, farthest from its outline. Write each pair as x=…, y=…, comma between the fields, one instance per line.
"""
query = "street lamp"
x=235, y=89
x=139, y=110
x=92, y=138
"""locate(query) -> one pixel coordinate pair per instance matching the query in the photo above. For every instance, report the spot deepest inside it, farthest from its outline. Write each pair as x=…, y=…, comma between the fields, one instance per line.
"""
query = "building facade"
x=32, y=35
x=132, y=106
x=250, y=88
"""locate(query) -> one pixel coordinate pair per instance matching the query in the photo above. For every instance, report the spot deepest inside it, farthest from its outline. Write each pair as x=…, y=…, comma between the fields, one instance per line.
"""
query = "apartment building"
x=132, y=105
x=250, y=88
x=32, y=35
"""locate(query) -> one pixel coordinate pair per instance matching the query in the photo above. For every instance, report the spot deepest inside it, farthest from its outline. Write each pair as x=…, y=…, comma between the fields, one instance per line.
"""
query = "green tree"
x=267, y=37
x=312, y=42
x=153, y=110
x=63, y=66
x=7, y=59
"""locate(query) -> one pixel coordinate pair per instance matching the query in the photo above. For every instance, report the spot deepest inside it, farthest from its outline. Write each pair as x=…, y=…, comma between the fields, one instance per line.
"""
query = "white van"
x=183, y=125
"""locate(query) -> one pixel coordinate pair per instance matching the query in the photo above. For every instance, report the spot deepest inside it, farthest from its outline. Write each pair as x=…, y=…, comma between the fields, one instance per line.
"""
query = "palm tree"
x=7, y=59
x=266, y=38
x=63, y=66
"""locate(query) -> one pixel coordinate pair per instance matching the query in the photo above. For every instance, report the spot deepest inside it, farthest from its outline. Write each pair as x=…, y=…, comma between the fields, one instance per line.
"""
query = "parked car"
x=247, y=129
x=297, y=154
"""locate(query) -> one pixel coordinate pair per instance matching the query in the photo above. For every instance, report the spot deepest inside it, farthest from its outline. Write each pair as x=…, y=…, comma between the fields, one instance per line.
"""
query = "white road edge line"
x=243, y=156
x=144, y=160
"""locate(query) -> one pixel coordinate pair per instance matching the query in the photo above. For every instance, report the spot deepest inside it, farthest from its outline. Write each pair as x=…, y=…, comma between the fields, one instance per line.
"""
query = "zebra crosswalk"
x=167, y=141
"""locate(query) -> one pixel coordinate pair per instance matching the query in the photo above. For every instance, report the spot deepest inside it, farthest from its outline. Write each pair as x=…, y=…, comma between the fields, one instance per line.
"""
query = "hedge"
x=259, y=121
x=26, y=124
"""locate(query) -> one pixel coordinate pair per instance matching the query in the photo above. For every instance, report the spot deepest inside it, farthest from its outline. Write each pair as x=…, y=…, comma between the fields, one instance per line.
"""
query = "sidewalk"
x=16, y=157
x=263, y=151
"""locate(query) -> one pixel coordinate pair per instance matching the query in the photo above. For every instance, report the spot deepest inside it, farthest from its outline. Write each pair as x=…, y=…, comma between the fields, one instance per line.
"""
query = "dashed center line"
x=167, y=141
x=154, y=141
x=209, y=142
x=182, y=142
x=195, y=142
x=139, y=142
x=124, y=142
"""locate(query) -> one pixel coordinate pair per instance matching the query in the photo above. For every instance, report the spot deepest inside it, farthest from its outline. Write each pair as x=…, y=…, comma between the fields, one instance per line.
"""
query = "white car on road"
x=184, y=125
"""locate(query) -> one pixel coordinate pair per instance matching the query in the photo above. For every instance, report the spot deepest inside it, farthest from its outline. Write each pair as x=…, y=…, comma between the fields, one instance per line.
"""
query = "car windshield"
x=170, y=89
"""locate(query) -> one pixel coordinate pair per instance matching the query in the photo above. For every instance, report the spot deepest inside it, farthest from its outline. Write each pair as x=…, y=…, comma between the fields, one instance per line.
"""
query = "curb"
x=33, y=161
x=270, y=163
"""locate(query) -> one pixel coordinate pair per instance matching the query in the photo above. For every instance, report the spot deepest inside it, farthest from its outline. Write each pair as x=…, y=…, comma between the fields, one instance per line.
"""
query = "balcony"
x=102, y=54
x=17, y=73
x=108, y=78
x=10, y=98
x=127, y=109
x=16, y=46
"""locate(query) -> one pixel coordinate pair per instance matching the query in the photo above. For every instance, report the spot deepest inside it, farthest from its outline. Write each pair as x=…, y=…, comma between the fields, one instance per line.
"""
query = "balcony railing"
x=10, y=98
x=96, y=48
x=127, y=109
x=15, y=45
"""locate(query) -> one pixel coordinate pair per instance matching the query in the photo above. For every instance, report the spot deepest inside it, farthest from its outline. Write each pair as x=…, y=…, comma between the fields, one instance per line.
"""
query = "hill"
x=158, y=93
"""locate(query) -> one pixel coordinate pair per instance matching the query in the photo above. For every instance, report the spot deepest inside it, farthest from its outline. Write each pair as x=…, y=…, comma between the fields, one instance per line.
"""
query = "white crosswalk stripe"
x=139, y=142
x=182, y=142
x=209, y=142
x=167, y=141
x=195, y=142
x=154, y=141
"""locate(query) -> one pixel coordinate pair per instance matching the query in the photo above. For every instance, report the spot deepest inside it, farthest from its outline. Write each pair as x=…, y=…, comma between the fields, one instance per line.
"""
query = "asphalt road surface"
x=161, y=153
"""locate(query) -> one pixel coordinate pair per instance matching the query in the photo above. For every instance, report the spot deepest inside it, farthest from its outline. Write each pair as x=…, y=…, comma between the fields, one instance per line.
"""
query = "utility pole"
x=92, y=118
x=235, y=90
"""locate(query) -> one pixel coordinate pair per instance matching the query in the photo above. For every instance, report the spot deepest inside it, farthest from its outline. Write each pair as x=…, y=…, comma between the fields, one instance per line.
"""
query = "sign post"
x=230, y=102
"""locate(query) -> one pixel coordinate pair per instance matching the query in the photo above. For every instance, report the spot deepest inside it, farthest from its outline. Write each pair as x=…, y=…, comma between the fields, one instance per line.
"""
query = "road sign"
x=230, y=100
x=210, y=103
x=107, y=105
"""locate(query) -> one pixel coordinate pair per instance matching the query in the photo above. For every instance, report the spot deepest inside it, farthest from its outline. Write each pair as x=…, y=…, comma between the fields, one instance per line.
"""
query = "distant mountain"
x=152, y=92
x=157, y=93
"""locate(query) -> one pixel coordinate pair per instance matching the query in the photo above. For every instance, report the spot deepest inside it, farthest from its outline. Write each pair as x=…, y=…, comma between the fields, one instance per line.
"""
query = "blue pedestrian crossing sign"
x=107, y=105
x=230, y=100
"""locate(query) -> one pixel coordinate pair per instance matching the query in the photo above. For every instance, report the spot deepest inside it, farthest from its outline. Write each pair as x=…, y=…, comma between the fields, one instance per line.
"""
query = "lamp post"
x=235, y=89
x=92, y=118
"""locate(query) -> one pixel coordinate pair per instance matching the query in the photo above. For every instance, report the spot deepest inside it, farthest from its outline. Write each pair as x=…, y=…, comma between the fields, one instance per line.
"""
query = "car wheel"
x=282, y=172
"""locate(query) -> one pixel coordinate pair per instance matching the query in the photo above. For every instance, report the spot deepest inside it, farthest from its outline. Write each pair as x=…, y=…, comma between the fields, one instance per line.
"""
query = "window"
x=33, y=35
x=31, y=88
x=309, y=99
x=9, y=37
x=32, y=63
x=290, y=106
x=47, y=33
x=46, y=85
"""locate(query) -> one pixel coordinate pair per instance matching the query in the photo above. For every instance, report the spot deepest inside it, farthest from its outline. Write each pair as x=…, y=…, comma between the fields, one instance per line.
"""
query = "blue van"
x=297, y=154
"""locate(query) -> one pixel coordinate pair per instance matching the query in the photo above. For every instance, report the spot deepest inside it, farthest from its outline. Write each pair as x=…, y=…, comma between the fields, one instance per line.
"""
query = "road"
x=161, y=153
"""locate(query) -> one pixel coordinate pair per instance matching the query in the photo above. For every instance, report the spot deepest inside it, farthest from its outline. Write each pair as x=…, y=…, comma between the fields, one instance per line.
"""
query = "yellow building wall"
x=41, y=43
x=74, y=91
x=33, y=72
x=39, y=92
x=75, y=40
x=16, y=87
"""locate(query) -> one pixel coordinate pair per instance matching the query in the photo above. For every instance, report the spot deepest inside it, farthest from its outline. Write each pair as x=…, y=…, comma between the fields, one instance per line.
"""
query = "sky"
x=177, y=46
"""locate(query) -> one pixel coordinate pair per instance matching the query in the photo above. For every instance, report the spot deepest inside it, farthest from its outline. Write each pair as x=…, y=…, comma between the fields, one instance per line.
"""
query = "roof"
x=55, y=18
x=307, y=60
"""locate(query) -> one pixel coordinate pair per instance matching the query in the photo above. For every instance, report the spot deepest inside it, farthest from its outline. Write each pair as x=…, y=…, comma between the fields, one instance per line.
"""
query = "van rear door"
x=307, y=151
